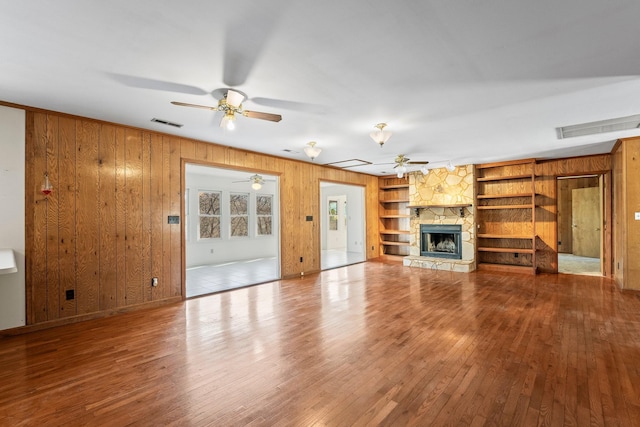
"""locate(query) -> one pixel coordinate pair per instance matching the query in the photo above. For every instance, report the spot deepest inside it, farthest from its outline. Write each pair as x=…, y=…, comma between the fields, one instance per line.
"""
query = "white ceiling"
x=461, y=80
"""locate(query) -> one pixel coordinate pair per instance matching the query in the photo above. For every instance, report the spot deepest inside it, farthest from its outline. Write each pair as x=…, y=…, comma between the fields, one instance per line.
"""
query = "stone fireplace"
x=442, y=205
x=441, y=241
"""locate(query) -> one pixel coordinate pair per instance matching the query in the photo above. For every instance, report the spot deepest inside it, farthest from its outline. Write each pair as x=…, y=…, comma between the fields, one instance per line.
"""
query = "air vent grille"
x=352, y=163
x=602, y=126
x=166, y=122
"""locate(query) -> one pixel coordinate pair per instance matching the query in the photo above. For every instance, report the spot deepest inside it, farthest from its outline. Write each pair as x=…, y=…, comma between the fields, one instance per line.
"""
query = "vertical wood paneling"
x=166, y=211
x=107, y=217
x=133, y=217
x=38, y=258
x=104, y=232
x=175, y=188
x=67, y=212
x=87, y=217
x=53, y=264
x=121, y=210
x=157, y=214
x=632, y=190
x=146, y=218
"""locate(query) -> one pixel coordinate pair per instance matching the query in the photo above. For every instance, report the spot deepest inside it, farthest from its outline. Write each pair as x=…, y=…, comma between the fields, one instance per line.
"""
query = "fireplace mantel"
x=460, y=206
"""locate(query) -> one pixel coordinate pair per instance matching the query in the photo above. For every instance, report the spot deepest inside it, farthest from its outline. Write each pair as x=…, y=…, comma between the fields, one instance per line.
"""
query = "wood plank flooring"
x=369, y=344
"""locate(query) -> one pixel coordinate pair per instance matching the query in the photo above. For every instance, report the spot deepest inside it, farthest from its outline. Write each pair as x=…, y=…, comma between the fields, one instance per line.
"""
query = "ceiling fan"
x=257, y=181
x=231, y=104
x=401, y=163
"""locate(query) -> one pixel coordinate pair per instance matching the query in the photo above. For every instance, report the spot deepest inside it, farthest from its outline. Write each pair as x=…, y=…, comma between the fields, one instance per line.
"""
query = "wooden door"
x=586, y=221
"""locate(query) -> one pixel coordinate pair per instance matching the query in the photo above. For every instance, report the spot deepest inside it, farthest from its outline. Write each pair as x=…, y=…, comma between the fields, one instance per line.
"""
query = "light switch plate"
x=637, y=216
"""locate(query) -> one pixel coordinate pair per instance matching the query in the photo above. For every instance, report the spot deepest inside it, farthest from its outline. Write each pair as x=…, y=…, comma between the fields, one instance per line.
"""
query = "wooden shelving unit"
x=505, y=216
x=394, y=216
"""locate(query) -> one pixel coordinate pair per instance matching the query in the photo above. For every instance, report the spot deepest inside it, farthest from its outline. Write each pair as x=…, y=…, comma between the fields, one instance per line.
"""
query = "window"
x=333, y=214
x=264, y=214
x=209, y=212
x=239, y=209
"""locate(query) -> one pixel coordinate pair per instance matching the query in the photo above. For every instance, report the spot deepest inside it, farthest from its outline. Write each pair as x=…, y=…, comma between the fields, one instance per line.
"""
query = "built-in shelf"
x=503, y=196
x=395, y=232
x=503, y=178
x=394, y=216
x=394, y=186
x=389, y=243
x=505, y=236
x=508, y=223
x=505, y=250
x=489, y=207
x=395, y=201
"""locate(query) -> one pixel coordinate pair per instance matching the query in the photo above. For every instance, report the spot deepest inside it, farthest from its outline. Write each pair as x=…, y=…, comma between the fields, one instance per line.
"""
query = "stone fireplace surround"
x=443, y=197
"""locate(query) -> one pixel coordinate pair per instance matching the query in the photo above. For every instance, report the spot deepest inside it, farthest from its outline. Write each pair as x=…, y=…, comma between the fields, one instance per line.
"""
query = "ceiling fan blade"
x=290, y=105
x=145, y=83
x=234, y=98
x=418, y=163
x=245, y=38
x=262, y=116
x=184, y=104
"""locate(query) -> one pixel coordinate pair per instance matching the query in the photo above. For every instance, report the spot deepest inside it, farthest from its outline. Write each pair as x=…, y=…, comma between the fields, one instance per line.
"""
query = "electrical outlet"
x=69, y=294
x=154, y=282
x=300, y=259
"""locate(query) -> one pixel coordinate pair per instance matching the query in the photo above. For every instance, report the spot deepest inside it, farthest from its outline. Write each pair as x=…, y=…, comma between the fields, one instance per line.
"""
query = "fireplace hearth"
x=441, y=241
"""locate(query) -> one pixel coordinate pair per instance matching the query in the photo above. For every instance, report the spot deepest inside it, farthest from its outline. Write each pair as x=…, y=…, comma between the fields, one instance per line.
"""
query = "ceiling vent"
x=166, y=122
x=602, y=126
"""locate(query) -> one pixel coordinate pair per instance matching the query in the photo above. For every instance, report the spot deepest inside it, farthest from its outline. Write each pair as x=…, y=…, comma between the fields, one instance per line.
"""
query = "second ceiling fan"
x=231, y=104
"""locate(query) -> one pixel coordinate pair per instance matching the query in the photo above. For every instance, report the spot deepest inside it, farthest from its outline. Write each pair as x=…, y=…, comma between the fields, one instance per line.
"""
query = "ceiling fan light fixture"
x=256, y=181
x=401, y=170
x=424, y=169
x=311, y=150
x=380, y=136
x=450, y=167
x=228, y=121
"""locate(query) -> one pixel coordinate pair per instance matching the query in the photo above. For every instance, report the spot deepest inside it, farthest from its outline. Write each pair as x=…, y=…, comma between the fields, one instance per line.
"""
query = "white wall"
x=12, y=216
x=225, y=249
x=355, y=214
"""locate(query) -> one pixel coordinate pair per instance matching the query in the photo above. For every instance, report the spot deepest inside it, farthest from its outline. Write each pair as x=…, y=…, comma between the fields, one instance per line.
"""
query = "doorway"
x=231, y=229
x=580, y=225
x=342, y=225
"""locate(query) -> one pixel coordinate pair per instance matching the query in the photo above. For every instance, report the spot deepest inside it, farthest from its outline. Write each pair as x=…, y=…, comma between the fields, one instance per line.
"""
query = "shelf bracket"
x=417, y=211
x=461, y=212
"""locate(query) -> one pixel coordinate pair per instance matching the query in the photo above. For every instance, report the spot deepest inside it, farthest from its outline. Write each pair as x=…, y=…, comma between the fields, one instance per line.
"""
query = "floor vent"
x=601, y=126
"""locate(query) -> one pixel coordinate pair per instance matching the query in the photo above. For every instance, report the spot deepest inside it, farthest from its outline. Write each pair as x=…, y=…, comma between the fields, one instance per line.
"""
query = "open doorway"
x=231, y=229
x=342, y=225
x=580, y=224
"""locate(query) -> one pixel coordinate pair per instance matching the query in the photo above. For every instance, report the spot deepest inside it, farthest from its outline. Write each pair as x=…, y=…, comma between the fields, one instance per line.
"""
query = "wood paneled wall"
x=626, y=175
x=546, y=201
x=103, y=232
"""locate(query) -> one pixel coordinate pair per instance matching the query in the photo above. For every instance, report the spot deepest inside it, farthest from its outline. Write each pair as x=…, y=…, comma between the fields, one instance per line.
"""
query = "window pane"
x=209, y=227
x=239, y=226
x=263, y=204
x=264, y=225
x=209, y=203
x=239, y=204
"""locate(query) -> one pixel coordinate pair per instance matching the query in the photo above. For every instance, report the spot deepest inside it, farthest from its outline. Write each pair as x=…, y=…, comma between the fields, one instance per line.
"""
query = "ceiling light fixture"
x=401, y=170
x=424, y=169
x=450, y=167
x=256, y=181
x=228, y=121
x=380, y=136
x=311, y=150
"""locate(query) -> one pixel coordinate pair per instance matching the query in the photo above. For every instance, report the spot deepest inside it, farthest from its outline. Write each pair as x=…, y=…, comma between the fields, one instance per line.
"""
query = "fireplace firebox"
x=441, y=241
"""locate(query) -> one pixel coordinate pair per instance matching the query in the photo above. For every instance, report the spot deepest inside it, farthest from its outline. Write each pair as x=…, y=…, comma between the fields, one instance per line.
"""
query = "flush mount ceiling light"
x=380, y=136
x=311, y=150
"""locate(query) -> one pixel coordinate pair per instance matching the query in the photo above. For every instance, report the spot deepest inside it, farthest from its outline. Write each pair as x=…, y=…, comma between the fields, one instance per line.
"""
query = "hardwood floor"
x=369, y=344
